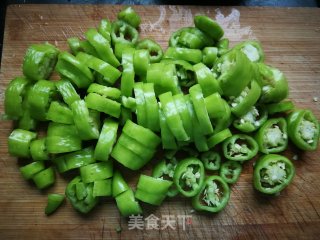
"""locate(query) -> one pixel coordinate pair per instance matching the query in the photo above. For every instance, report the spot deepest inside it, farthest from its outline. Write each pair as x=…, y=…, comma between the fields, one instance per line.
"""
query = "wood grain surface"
x=291, y=40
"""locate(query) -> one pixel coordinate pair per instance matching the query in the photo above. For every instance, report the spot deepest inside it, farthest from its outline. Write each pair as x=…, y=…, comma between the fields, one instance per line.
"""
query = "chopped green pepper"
x=230, y=171
x=211, y=160
x=54, y=201
x=19, y=142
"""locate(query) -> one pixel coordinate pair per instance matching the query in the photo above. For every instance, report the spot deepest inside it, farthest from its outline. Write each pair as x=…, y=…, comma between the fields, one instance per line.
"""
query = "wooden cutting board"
x=291, y=40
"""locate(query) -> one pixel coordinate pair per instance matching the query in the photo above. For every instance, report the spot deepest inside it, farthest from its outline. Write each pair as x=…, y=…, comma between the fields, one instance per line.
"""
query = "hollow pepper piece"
x=39, y=61
x=19, y=142
x=209, y=56
x=154, y=49
x=213, y=196
x=208, y=26
x=218, y=137
x=272, y=173
x=303, y=129
x=252, y=49
x=211, y=160
x=189, y=176
x=272, y=137
x=230, y=171
x=122, y=32
x=96, y=171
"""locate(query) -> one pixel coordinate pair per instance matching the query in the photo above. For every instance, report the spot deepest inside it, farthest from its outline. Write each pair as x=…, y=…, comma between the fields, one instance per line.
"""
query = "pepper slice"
x=219, y=137
x=74, y=45
x=54, y=201
x=189, y=176
x=225, y=120
x=272, y=136
x=154, y=49
x=208, y=26
x=167, y=138
x=211, y=160
x=209, y=56
x=189, y=37
x=252, y=49
x=74, y=160
x=152, y=190
x=303, y=129
x=29, y=170
x=252, y=120
x=141, y=110
x=223, y=46
x=102, y=104
x=280, y=107
x=38, y=150
x=123, y=32
x=119, y=185
x=109, y=92
x=60, y=113
x=230, y=171
x=141, y=61
x=102, y=188
x=39, y=61
x=104, y=29
x=84, y=203
x=213, y=196
x=240, y=147
x=186, y=54
x=127, y=204
x=127, y=78
x=272, y=173
x=44, y=178
x=67, y=91
x=151, y=106
x=19, y=142
x=39, y=99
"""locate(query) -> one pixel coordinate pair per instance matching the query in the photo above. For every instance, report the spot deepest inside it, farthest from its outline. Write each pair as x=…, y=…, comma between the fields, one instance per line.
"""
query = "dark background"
x=274, y=3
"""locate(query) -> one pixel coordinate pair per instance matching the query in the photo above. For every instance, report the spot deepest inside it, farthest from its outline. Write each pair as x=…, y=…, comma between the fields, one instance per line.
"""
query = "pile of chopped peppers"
x=205, y=107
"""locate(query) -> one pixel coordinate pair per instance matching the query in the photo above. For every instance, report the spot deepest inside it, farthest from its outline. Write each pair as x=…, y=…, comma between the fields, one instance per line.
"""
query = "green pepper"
x=29, y=170
x=26, y=121
x=272, y=136
x=127, y=78
x=234, y=72
x=107, y=139
x=38, y=150
x=272, y=173
x=280, y=107
x=44, y=178
x=87, y=122
x=230, y=171
x=274, y=84
x=102, y=46
x=224, y=120
x=154, y=49
x=151, y=107
x=208, y=26
x=19, y=142
x=84, y=203
x=74, y=160
x=120, y=48
x=74, y=45
x=60, y=113
x=216, y=106
x=127, y=204
x=189, y=37
x=186, y=54
x=130, y=16
x=39, y=99
x=218, y=137
x=152, y=190
x=67, y=91
x=104, y=29
x=141, y=110
x=167, y=138
x=103, y=104
x=119, y=185
x=96, y=171
x=109, y=92
x=209, y=56
x=15, y=94
x=102, y=188
x=213, y=196
x=252, y=49
x=62, y=138
x=141, y=61
x=189, y=176
x=211, y=160
x=54, y=201
x=247, y=98
x=223, y=46
x=240, y=147
x=123, y=32
x=87, y=47
x=39, y=61
x=303, y=129
x=252, y=120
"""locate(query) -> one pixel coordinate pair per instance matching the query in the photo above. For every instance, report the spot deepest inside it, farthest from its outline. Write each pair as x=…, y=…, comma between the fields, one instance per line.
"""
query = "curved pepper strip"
x=60, y=113
x=105, y=28
x=247, y=98
x=120, y=47
x=198, y=38
x=88, y=48
x=219, y=137
x=280, y=107
x=230, y=171
x=96, y=171
x=167, y=138
x=54, y=201
x=215, y=106
x=67, y=91
x=14, y=96
x=127, y=78
x=189, y=176
x=211, y=160
x=141, y=110
x=181, y=105
x=123, y=32
x=71, y=68
x=240, y=147
x=130, y=16
x=208, y=26
x=172, y=116
x=272, y=136
x=102, y=104
x=274, y=84
x=39, y=99
x=303, y=129
x=151, y=106
x=39, y=61
x=152, y=190
x=119, y=185
x=127, y=204
x=223, y=46
x=29, y=170
x=110, y=74
x=141, y=61
x=84, y=203
x=213, y=196
x=186, y=54
x=74, y=45
x=252, y=120
x=74, y=160
x=44, y=178
x=19, y=142
x=234, y=72
x=252, y=49
x=109, y=92
x=102, y=47
x=87, y=122
x=272, y=173
x=102, y=188
x=209, y=56
x=200, y=109
x=154, y=49
x=107, y=139
x=38, y=150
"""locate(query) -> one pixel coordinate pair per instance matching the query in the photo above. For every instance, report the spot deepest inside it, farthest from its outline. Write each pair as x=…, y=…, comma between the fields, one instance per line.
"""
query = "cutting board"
x=291, y=40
